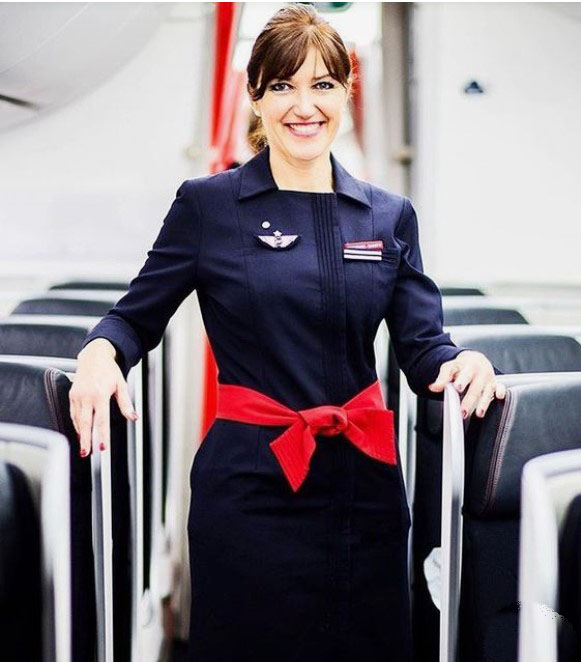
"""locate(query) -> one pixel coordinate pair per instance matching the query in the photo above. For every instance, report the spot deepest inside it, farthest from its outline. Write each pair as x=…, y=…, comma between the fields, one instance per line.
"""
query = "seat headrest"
x=89, y=285
x=41, y=340
x=515, y=353
x=31, y=395
x=471, y=316
x=461, y=291
x=534, y=419
x=48, y=306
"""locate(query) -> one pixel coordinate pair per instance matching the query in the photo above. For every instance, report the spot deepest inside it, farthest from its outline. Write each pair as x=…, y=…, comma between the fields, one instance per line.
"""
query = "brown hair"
x=281, y=48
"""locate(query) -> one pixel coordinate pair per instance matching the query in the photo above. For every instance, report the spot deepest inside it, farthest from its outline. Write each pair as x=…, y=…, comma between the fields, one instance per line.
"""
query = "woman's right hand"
x=97, y=378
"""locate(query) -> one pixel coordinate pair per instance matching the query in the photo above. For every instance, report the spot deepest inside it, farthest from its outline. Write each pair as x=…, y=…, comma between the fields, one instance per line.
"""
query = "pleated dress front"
x=319, y=573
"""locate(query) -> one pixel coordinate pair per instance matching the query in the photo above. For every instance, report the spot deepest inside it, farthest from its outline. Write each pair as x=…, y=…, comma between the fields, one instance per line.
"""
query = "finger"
x=472, y=396
x=73, y=415
x=500, y=391
x=86, y=424
x=446, y=374
x=124, y=401
x=101, y=423
x=464, y=377
x=485, y=400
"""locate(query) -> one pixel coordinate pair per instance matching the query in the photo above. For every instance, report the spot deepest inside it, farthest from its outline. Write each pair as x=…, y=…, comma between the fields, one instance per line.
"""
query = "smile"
x=305, y=130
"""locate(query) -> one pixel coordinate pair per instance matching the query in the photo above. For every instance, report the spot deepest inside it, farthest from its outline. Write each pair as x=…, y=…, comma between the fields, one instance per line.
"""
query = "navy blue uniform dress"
x=320, y=574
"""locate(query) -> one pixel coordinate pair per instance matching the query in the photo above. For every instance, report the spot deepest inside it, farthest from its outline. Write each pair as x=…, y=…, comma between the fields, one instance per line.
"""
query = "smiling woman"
x=299, y=82
x=298, y=523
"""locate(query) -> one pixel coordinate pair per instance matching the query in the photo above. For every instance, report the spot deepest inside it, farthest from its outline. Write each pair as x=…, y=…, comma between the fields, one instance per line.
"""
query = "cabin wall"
x=496, y=175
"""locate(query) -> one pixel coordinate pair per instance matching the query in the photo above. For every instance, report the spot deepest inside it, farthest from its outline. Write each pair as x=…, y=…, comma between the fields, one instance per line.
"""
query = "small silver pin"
x=265, y=224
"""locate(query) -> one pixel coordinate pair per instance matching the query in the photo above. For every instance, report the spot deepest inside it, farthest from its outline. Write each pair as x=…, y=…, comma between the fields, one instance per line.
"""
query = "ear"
x=348, y=91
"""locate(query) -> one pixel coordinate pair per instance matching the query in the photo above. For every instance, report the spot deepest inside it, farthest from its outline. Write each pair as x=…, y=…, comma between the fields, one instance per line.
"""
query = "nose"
x=305, y=104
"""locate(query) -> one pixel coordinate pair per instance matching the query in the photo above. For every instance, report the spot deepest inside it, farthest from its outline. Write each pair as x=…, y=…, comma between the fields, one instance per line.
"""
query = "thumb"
x=124, y=401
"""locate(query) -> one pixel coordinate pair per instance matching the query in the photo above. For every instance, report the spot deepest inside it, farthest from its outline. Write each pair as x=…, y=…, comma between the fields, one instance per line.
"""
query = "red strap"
x=364, y=420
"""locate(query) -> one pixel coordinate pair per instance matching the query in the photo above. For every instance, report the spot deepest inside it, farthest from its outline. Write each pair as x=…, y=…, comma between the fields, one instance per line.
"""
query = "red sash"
x=364, y=420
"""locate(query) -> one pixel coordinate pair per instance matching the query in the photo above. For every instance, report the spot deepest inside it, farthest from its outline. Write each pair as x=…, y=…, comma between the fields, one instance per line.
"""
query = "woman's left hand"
x=470, y=367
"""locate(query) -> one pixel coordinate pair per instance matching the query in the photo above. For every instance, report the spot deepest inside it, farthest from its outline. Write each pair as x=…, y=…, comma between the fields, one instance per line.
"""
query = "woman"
x=298, y=522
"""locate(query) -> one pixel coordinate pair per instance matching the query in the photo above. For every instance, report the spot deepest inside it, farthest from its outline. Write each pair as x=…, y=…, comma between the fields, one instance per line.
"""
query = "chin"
x=306, y=152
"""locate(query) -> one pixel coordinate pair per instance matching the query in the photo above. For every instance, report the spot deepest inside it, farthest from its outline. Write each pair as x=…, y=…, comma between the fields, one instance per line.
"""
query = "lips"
x=305, y=129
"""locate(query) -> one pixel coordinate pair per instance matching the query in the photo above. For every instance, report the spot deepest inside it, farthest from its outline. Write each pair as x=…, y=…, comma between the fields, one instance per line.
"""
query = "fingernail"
x=464, y=413
x=480, y=413
x=83, y=452
x=102, y=446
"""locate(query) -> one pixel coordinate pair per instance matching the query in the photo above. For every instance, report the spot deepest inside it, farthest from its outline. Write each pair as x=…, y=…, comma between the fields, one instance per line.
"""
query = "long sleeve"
x=414, y=316
x=136, y=323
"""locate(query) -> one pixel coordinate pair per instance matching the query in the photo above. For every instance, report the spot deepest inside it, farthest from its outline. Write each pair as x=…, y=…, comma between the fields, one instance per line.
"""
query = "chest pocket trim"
x=389, y=256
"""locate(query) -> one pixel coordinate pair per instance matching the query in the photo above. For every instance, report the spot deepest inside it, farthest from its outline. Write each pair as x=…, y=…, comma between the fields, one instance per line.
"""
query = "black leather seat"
x=89, y=285
x=473, y=316
x=57, y=340
x=55, y=306
x=461, y=292
x=20, y=563
x=535, y=419
x=510, y=354
x=36, y=396
x=569, y=636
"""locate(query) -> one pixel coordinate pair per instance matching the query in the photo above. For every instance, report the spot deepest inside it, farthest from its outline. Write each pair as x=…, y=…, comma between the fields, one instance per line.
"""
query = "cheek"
x=333, y=114
x=277, y=111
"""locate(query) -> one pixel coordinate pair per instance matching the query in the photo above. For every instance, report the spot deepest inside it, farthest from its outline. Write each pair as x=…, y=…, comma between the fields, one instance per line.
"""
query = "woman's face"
x=301, y=115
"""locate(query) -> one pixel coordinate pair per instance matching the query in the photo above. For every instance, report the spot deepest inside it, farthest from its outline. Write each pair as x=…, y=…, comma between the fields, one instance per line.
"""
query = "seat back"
x=20, y=571
x=536, y=418
x=35, y=596
x=549, y=588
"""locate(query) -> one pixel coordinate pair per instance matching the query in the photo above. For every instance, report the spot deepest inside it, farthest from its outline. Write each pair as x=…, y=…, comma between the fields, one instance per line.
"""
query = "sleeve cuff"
x=120, y=334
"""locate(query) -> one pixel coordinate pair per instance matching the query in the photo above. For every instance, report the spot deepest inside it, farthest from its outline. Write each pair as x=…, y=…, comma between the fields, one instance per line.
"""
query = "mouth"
x=305, y=129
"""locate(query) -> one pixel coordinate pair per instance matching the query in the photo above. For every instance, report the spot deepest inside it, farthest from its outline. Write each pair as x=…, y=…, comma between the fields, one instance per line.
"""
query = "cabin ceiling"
x=54, y=52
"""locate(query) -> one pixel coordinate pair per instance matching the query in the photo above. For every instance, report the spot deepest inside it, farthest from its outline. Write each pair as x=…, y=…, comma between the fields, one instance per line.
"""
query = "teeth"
x=305, y=128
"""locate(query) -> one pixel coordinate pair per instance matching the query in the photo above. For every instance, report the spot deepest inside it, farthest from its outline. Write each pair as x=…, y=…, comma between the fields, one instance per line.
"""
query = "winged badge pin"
x=278, y=240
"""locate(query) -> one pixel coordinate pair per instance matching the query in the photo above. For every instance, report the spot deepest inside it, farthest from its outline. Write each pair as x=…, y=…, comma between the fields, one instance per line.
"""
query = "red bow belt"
x=364, y=420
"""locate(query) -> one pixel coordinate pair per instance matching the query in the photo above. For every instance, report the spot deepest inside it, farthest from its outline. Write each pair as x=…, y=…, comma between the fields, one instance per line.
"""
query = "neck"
x=315, y=175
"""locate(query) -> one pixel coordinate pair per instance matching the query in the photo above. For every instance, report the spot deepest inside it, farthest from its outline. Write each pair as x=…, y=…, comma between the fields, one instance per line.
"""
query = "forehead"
x=312, y=68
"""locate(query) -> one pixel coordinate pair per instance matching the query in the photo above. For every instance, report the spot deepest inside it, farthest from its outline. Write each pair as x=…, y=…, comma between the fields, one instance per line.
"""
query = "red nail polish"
x=464, y=413
x=102, y=446
x=83, y=452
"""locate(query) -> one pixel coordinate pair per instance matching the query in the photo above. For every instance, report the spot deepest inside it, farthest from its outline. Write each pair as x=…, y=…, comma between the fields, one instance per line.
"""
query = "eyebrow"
x=314, y=77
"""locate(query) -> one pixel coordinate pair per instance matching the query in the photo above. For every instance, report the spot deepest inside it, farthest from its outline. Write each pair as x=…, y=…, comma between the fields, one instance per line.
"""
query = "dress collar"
x=256, y=177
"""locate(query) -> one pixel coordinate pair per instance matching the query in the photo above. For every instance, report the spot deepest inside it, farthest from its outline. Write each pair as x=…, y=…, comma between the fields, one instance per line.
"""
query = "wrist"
x=98, y=346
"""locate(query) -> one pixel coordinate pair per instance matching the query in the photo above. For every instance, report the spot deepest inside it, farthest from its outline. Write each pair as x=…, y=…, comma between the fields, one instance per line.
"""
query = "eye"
x=274, y=86
x=326, y=82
